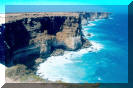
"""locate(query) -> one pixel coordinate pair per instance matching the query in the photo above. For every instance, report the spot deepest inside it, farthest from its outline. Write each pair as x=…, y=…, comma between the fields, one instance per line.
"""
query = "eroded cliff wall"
x=91, y=16
x=33, y=35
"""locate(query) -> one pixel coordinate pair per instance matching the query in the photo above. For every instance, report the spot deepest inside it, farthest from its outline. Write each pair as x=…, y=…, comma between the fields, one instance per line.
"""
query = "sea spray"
x=54, y=62
x=103, y=62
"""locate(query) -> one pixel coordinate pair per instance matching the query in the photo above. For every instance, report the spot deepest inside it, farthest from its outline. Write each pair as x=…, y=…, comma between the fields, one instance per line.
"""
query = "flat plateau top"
x=9, y=17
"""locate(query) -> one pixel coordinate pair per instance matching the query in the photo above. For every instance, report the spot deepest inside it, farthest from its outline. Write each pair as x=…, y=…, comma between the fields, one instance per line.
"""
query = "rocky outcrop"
x=34, y=35
x=91, y=16
x=57, y=52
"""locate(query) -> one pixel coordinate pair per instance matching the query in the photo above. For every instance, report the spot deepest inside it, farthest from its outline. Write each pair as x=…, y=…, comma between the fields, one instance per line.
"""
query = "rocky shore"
x=32, y=37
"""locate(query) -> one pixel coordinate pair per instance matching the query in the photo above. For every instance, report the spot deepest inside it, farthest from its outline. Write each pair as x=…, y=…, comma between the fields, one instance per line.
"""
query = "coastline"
x=55, y=58
x=67, y=57
x=83, y=49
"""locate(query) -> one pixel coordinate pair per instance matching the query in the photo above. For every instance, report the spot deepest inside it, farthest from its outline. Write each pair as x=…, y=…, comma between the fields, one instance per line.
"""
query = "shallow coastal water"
x=106, y=61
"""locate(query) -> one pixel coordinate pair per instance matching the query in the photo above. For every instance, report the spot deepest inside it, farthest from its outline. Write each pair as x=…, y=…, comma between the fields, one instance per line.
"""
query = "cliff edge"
x=32, y=35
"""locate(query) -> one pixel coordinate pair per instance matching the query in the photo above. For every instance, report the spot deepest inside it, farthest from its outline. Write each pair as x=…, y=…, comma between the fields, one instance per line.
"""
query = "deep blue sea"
x=105, y=62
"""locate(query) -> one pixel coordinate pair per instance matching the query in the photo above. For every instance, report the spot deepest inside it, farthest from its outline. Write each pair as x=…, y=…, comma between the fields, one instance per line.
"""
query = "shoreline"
x=93, y=48
x=86, y=47
x=65, y=58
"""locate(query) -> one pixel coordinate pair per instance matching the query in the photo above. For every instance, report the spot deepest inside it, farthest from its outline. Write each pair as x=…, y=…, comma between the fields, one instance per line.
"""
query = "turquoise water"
x=106, y=63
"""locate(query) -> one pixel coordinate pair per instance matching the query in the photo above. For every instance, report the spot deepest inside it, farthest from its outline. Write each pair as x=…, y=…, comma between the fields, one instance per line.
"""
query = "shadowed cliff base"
x=32, y=37
x=2, y=45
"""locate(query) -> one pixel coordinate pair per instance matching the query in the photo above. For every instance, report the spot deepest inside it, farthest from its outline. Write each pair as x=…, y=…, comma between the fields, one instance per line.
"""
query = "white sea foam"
x=86, y=29
x=111, y=18
x=99, y=78
x=85, y=32
x=92, y=34
x=91, y=24
x=49, y=69
x=98, y=19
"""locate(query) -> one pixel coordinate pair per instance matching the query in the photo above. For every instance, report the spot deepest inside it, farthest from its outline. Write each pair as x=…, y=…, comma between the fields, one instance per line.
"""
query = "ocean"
x=106, y=61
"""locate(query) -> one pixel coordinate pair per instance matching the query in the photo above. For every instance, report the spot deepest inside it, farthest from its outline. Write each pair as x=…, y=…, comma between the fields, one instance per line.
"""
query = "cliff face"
x=29, y=37
x=92, y=16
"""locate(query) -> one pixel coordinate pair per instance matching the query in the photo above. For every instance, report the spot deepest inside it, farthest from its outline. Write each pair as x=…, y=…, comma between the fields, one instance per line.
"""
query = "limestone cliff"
x=32, y=35
x=91, y=16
